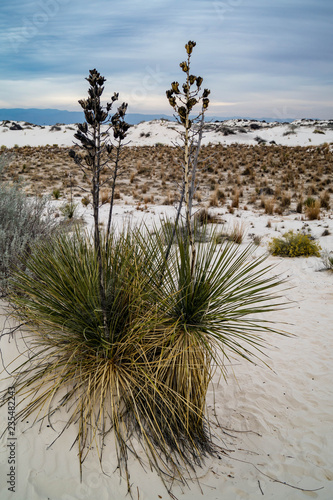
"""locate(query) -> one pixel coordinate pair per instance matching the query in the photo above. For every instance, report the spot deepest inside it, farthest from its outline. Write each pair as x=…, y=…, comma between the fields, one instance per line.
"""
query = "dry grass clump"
x=325, y=200
x=235, y=234
x=235, y=199
x=170, y=198
x=269, y=206
x=285, y=200
x=313, y=210
x=299, y=206
x=203, y=217
x=214, y=200
x=327, y=259
x=105, y=196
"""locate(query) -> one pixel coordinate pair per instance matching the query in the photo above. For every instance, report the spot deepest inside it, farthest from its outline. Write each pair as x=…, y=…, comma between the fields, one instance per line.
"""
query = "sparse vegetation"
x=327, y=259
x=313, y=210
x=68, y=210
x=56, y=193
x=293, y=173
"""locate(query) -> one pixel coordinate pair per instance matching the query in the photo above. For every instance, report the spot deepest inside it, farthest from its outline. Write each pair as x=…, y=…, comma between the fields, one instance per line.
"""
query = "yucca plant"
x=209, y=315
x=104, y=383
x=97, y=155
x=127, y=330
x=183, y=101
x=150, y=379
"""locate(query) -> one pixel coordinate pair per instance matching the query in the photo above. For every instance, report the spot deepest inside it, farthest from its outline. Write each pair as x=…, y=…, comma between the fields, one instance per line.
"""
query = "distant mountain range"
x=54, y=116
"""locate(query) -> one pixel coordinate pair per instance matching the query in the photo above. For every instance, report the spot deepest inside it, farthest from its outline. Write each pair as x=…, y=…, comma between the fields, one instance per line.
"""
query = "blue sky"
x=259, y=58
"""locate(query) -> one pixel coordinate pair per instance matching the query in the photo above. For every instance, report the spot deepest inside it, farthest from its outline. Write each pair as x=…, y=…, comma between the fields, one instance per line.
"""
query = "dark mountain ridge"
x=39, y=116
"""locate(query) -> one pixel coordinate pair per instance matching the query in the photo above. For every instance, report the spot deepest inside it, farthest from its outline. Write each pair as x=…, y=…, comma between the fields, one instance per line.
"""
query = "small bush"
x=313, y=211
x=309, y=202
x=56, y=193
x=325, y=200
x=294, y=245
x=68, y=210
x=269, y=206
x=327, y=258
x=85, y=201
x=257, y=239
x=318, y=131
x=23, y=222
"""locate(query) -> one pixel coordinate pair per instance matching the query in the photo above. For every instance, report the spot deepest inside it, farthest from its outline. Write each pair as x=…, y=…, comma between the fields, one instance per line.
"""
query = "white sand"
x=299, y=133
x=280, y=419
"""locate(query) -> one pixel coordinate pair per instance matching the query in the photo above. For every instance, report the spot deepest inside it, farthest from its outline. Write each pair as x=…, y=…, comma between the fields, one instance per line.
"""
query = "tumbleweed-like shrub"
x=23, y=222
x=294, y=245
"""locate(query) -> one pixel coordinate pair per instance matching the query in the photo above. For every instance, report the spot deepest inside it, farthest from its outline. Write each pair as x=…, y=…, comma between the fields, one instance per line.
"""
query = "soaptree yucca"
x=104, y=383
x=133, y=381
x=211, y=311
x=100, y=157
x=211, y=292
x=184, y=101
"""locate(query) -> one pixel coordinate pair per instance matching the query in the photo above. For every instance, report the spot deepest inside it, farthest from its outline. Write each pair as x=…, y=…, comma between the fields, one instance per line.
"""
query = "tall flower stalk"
x=183, y=102
x=96, y=161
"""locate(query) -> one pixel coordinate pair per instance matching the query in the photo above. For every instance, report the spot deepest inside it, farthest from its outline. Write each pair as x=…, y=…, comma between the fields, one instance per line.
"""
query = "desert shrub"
x=257, y=239
x=299, y=206
x=235, y=234
x=313, y=211
x=203, y=217
x=269, y=205
x=85, y=201
x=327, y=259
x=213, y=200
x=235, y=199
x=294, y=245
x=56, y=193
x=285, y=200
x=68, y=210
x=309, y=202
x=23, y=222
x=168, y=327
x=325, y=200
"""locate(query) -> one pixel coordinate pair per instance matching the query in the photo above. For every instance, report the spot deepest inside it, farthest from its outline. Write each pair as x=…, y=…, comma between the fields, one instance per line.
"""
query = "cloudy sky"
x=259, y=58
